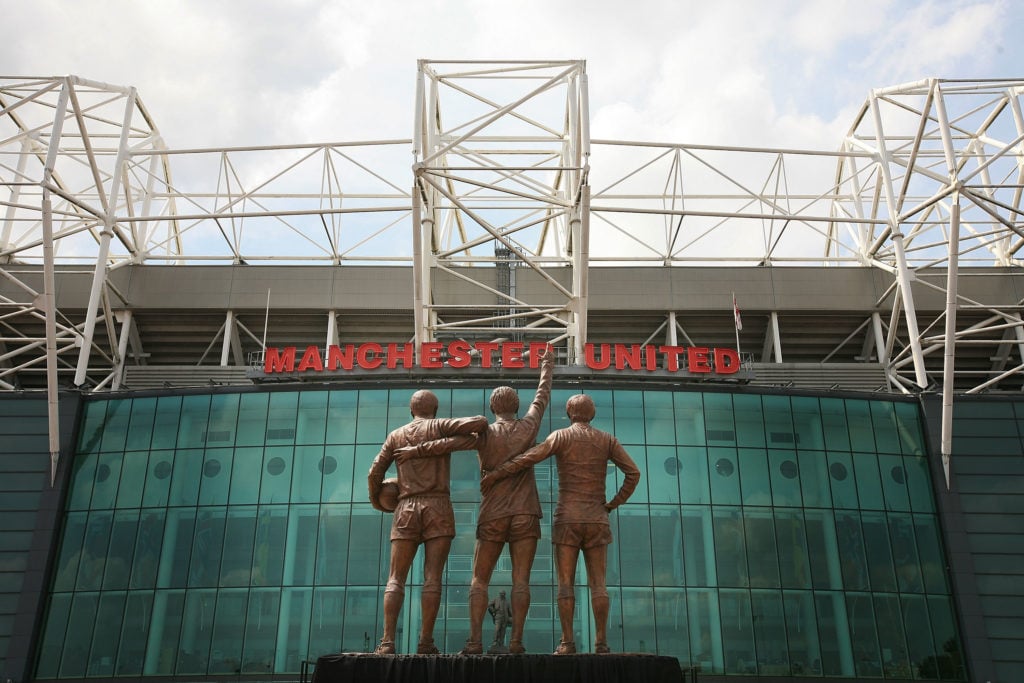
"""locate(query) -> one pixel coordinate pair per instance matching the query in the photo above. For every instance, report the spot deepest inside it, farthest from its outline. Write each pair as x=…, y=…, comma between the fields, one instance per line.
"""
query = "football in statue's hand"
x=388, y=496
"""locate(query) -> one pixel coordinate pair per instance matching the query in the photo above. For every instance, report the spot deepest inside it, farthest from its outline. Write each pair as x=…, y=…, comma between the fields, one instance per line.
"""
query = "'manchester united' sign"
x=507, y=355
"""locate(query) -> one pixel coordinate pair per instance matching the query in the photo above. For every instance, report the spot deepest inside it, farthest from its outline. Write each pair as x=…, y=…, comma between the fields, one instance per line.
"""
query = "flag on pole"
x=736, y=313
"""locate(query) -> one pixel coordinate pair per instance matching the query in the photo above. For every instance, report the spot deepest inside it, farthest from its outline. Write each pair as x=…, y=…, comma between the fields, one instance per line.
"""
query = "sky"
x=766, y=73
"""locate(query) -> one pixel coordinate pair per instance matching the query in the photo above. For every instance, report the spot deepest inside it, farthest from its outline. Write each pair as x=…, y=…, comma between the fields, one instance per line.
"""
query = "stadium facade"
x=816, y=359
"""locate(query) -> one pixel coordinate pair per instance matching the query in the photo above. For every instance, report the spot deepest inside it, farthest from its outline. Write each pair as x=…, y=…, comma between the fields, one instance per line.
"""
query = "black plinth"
x=528, y=668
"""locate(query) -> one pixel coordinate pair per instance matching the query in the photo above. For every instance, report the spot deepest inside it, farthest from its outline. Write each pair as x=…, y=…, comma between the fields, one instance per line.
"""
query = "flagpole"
x=736, y=326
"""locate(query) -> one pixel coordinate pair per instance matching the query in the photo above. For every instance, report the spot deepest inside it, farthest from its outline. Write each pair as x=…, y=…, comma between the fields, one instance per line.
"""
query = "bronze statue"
x=501, y=612
x=581, y=515
x=509, y=512
x=423, y=514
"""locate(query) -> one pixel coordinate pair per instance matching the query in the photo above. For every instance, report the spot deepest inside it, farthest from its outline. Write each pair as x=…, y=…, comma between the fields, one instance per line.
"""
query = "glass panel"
x=122, y=547
x=115, y=427
x=879, y=551
x=802, y=633
x=841, y=479
x=864, y=640
x=851, y=551
x=785, y=478
x=705, y=630
x=82, y=478
x=228, y=631
x=277, y=474
x=206, y=547
x=933, y=566
x=754, y=482
x=94, y=551
x=919, y=483
x=920, y=645
x=666, y=529
x=761, y=550
x=634, y=541
x=725, y=478
x=694, y=478
x=91, y=429
x=133, y=480
x=223, y=420
x=216, y=478
x=196, y=632
x=638, y=619
x=70, y=556
x=862, y=433
x=165, y=424
x=904, y=546
x=670, y=615
x=105, y=639
x=341, y=417
x=252, y=420
x=778, y=422
x=605, y=410
x=749, y=421
x=188, y=468
x=330, y=616
x=718, y=417
x=296, y=607
x=75, y=658
x=689, y=409
x=698, y=546
x=895, y=663
x=147, y=549
x=662, y=474
x=300, y=553
x=281, y=418
x=369, y=549
x=268, y=560
x=795, y=569
x=737, y=632
x=158, y=479
x=53, y=635
x=908, y=427
x=260, y=648
x=883, y=417
x=309, y=462
x=807, y=423
x=332, y=553
x=869, y=485
x=833, y=629
x=237, y=566
x=769, y=633
x=177, y=549
x=338, y=478
x=659, y=420
x=833, y=420
x=195, y=411
x=311, y=419
x=108, y=476
x=730, y=550
x=629, y=417
x=822, y=548
x=814, y=479
x=372, y=426
x=246, y=471
x=134, y=634
x=949, y=661
x=168, y=607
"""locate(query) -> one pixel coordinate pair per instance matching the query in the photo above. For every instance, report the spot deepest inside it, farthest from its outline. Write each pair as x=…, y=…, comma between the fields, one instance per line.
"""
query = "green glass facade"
x=230, y=533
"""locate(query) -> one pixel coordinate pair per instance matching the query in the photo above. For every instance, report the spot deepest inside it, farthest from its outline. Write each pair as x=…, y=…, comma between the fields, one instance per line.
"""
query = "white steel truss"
x=926, y=186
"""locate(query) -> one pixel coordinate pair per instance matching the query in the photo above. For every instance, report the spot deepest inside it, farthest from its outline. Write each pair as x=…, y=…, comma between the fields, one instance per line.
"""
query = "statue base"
x=609, y=668
x=496, y=649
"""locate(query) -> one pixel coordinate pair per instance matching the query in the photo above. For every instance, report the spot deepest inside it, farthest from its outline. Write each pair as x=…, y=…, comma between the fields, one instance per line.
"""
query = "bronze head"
x=423, y=404
x=504, y=400
x=580, y=408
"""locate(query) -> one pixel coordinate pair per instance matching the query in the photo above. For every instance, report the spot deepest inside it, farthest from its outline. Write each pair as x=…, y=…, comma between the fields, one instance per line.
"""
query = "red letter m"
x=279, y=362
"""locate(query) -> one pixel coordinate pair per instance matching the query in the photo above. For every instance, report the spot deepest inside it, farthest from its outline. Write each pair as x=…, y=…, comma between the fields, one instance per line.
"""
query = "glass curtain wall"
x=231, y=533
